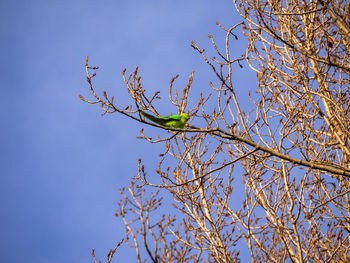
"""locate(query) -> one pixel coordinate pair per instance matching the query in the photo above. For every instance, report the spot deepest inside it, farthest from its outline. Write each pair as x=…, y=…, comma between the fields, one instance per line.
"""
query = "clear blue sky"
x=62, y=162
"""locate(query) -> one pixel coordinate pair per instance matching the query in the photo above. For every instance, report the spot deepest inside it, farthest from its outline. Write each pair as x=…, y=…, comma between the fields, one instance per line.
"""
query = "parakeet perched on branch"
x=173, y=121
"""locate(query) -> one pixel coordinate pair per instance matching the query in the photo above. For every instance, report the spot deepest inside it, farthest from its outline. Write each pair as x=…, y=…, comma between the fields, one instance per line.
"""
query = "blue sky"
x=61, y=161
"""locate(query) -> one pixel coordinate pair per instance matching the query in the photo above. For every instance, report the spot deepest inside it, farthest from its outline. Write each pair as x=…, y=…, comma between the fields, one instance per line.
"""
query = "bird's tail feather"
x=150, y=117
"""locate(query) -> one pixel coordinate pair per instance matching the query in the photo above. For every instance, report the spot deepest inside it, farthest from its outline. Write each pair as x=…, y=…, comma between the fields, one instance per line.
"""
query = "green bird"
x=173, y=121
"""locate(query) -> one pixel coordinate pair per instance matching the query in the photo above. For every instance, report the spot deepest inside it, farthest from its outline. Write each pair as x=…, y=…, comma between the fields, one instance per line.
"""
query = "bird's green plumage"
x=173, y=121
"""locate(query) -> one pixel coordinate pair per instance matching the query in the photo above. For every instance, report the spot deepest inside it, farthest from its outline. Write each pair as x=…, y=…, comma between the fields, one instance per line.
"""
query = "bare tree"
x=290, y=152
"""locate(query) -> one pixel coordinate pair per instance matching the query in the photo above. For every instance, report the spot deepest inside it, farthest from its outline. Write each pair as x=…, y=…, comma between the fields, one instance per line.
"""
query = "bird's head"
x=185, y=117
